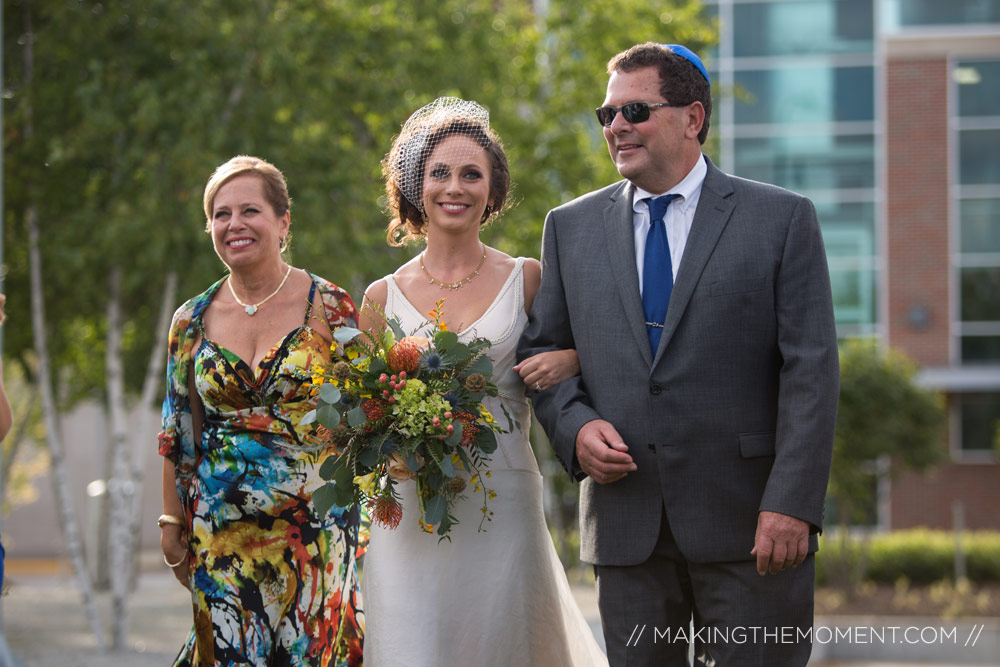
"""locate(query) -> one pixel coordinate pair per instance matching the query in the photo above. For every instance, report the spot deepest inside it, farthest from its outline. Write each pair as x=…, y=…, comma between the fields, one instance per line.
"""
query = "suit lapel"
x=619, y=235
x=710, y=219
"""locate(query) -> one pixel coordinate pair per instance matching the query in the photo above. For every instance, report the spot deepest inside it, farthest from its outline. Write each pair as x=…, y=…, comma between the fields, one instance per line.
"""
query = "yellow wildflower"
x=366, y=483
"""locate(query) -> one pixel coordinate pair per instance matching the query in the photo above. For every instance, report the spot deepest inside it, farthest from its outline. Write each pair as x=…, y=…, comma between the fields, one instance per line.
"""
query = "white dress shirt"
x=680, y=215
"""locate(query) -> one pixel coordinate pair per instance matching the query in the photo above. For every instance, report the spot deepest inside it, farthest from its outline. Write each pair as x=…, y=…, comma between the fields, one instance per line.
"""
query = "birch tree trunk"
x=57, y=452
x=121, y=493
x=152, y=386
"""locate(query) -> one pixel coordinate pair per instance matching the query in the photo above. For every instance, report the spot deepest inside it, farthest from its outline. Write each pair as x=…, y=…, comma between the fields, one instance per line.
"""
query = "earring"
x=487, y=212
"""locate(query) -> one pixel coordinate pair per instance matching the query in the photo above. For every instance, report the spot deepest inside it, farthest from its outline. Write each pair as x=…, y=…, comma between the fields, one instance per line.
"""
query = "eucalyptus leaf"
x=356, y=417
x=344, y=476
x=445, y=339
x=482, y=365
x=323, y=499
x=329, y=394
x=345, y=334
x=486, y=441
x=447, y=467
x=456, y=353
x=308, y=418
x=330, y=465
x=434, y=509
x=328, y=416
x=411, y=462
x=456, y=435
x=344, y=495
x=368, y=456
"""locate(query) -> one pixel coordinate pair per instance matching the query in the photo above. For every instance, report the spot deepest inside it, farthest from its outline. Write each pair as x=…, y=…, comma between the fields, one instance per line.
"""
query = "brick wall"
x=917, y=137
x=926, y=499
x=918, y=278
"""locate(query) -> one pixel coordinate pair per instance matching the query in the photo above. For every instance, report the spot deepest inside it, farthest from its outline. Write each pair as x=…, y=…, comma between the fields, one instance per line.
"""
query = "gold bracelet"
x=173, y=565
x=171, y=519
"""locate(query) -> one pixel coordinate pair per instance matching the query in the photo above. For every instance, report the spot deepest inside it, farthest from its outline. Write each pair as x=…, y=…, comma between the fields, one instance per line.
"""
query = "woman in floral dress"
x=272, y=582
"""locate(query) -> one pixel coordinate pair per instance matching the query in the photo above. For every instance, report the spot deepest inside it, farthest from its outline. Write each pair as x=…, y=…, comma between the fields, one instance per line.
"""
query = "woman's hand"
x=175, y=550
x=547, y=369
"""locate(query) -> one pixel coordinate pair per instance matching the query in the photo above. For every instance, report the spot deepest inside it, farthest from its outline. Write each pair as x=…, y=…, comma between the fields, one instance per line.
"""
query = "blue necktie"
x=657, y=270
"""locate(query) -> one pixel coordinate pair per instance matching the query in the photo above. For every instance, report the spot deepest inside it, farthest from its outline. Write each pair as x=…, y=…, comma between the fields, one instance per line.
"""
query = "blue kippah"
x=691, y=57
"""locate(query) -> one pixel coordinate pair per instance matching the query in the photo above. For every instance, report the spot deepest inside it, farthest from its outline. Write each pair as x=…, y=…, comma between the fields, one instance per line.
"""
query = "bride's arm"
x=545, y=369
x=371, y=315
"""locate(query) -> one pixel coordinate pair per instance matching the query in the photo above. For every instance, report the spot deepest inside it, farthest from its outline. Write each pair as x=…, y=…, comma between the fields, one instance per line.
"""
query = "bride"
x=497, y=596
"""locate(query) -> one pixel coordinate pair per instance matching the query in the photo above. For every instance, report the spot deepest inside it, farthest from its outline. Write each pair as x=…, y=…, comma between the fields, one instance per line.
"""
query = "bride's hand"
x=547, y=369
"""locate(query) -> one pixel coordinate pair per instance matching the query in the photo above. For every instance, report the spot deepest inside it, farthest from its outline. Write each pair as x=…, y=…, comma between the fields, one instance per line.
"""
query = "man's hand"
x=781, y=542
x=601, y=452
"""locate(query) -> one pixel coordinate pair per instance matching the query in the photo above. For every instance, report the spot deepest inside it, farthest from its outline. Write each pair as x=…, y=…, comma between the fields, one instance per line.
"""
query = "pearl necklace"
x=252, y=308
x=458, y=284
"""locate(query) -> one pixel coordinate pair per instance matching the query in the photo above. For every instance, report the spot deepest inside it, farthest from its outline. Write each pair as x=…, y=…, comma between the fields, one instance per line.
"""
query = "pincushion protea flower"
x=385, y=511
x=404, y=356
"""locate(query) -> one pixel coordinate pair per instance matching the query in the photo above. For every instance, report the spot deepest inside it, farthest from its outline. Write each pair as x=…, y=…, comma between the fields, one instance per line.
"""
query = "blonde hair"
x=275, y=188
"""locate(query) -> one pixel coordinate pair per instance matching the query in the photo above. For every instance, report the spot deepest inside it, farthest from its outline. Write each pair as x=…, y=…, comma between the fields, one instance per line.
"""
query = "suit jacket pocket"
x=757, y=444
x=738, y=285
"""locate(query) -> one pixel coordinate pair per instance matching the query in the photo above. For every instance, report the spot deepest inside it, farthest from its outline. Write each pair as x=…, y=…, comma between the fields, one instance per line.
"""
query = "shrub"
x=920, y=556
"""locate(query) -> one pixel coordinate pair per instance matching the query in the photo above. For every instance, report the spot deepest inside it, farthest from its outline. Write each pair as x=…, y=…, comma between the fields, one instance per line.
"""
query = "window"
x=817, y=161
x=980, y=418
x=977, y=84
x=806, y=95
x=800, y=28
x=912, y=13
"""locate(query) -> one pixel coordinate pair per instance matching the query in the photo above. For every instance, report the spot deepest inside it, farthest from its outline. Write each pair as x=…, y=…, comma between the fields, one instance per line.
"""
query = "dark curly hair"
x=407, y=223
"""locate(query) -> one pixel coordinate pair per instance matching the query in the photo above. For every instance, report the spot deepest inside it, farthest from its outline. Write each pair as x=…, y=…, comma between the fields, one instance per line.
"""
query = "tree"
x=882, y=412
x=130, y=107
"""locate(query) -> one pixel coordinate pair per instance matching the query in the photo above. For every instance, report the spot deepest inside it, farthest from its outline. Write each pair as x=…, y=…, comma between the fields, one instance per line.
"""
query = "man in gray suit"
x=702, y=422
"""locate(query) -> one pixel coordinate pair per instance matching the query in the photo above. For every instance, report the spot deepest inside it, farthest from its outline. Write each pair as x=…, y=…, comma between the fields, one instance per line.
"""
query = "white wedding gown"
x=485, y=599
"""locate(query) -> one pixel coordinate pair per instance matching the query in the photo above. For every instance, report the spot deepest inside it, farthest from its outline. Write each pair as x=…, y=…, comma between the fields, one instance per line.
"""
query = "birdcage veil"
x=423, y=132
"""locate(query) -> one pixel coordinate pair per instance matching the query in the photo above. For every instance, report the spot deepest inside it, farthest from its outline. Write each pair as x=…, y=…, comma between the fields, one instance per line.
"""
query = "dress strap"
x=309, y=302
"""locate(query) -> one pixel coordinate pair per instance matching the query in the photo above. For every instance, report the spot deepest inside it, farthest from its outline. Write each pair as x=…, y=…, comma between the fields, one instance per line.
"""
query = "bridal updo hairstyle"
x=403, y=170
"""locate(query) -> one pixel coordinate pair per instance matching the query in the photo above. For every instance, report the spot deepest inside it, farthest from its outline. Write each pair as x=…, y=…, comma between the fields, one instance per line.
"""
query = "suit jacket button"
x=655, y=390
x=651, y=446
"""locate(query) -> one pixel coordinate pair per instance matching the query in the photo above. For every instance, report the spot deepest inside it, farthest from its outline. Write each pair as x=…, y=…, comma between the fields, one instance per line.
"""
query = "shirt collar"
x=687, y=188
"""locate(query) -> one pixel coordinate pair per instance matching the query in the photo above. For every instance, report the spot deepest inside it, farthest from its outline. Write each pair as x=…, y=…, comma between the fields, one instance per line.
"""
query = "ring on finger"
x=538, y=386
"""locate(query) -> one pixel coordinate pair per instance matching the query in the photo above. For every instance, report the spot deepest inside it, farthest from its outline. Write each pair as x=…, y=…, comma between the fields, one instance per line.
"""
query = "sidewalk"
x=44, y=624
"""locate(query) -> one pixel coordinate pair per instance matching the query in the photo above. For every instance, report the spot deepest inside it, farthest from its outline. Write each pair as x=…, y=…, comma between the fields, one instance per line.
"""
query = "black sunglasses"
x=633, y=112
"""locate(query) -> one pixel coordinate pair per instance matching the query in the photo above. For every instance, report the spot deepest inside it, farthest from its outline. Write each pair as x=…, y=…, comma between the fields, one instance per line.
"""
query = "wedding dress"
x=484, y=599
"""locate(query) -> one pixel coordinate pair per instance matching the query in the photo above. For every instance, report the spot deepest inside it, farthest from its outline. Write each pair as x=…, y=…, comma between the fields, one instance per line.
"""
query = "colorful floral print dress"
x=272, y=582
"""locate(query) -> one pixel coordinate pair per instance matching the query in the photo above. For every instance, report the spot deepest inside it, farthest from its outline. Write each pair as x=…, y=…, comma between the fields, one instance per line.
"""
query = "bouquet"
x=406, y=407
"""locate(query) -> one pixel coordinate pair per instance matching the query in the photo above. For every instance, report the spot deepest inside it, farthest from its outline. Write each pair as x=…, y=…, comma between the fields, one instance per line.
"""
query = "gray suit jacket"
x=736, y=412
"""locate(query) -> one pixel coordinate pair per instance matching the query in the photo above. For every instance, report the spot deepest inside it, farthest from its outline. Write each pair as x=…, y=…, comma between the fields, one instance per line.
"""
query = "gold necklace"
x=458, y=284
x=252, y=308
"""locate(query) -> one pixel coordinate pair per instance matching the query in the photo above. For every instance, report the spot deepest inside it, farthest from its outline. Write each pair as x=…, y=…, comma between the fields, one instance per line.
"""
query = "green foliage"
x=131, y=106
x=922, y=556
x=982, y=556
x=919, y=556
x=881, y=412
x=839, y=560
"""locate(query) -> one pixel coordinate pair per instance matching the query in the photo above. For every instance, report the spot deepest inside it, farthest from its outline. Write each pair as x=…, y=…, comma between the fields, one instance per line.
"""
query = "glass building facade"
x=797, y=109
x=800, y=95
